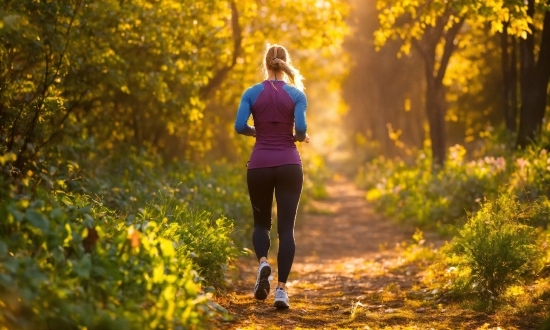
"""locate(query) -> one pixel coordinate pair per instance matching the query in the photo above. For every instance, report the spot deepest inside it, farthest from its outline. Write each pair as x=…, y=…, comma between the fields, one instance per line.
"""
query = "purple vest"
x=273, y=113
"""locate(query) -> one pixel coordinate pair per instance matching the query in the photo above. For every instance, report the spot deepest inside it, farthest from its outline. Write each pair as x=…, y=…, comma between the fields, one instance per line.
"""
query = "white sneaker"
x=261, y=289
x=281, y=299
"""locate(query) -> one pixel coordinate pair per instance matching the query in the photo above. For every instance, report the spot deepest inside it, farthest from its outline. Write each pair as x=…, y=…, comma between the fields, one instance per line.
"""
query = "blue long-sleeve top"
x=278, y=110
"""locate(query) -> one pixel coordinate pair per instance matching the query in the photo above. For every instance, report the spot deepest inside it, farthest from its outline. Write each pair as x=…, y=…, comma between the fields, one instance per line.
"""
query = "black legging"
x=286, y=181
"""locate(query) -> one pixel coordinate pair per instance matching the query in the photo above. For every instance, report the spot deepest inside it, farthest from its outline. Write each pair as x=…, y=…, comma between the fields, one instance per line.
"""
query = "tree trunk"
x=514, y=78
x=542, y=73
x=436, y=104
x=534, y=81
x=222, y=73
x=436, y=107
x=508, y=83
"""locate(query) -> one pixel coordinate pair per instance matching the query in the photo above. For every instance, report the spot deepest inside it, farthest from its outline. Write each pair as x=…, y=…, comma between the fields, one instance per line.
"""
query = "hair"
x=278, y=60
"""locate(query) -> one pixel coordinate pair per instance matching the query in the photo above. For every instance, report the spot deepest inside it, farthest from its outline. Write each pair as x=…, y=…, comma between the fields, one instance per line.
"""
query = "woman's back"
x=276, y=108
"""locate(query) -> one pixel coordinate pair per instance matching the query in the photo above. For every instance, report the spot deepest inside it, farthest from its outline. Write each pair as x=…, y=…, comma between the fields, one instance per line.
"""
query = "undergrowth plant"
x=316, y=175
x=498, y=245
x=68, y=262
x=197, y=235
x=495, y=250
x=128, y=181
x=435, y=197
x=88, y=240
x=430, y=197
x=496, y=205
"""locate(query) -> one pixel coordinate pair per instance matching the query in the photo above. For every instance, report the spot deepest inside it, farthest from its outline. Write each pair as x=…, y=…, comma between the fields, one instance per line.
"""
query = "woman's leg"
x=288, y=188
x=261, y=183
x=260, y=188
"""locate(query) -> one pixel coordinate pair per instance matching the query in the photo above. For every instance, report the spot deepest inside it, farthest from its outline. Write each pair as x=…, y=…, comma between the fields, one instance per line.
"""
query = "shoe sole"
x=262, y=291
x=281, y=305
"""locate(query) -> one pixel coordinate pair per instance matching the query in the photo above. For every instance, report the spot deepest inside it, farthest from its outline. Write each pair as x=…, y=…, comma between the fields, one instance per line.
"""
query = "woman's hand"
x=306, y=139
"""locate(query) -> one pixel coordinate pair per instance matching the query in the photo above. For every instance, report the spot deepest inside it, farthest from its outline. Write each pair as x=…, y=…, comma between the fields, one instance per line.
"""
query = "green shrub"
x=497, y=246
x=316, y=175
x=428, y=197
x=67, y=262
x=198, y=235
x=129, y=180
x=372, y=174
x=431, y=197
x=530, y=179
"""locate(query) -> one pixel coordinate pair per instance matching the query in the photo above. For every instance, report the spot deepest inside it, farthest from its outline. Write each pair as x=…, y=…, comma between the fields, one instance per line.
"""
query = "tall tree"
x=430, y=28
x=535, y=76
x=433, y=29
x=508, y=50
x=34, y=47
x=436, y=104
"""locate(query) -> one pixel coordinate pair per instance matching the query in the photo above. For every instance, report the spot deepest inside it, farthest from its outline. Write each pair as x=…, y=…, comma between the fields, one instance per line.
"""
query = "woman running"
x=278, y=107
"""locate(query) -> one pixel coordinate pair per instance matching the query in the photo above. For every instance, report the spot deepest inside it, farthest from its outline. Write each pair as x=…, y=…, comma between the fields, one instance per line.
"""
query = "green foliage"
x=542, y=265
x=497, y=246
x=207, y=241
x=141, y=74
x=315, y=176
x=546, y=324
x=409, y=20
x=152, y=255
x=531, y=177
x=501, y=243
x=471, y=84
x=130, y=180
x=427, y=197
x=68, y=261
x=97, y=67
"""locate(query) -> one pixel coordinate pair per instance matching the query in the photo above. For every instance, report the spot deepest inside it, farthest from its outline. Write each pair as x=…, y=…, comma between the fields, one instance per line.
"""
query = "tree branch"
x=47, y=84
x=448, y=49
x=219, y=77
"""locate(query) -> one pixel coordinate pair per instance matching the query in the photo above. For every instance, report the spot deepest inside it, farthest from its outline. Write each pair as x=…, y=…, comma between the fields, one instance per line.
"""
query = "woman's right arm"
x=300, y=124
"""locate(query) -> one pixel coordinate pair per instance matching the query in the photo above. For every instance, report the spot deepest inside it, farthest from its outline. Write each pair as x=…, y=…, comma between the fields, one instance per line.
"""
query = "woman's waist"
x=275, y=143
x=273, y=157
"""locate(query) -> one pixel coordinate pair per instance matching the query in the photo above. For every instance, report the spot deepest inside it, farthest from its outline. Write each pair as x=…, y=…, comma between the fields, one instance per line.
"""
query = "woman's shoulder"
x=253, y=92
x=293, y=91
x=255, y=88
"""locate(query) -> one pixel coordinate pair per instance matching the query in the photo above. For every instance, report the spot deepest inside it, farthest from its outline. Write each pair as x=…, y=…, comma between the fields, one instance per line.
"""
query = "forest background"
x=118, y=152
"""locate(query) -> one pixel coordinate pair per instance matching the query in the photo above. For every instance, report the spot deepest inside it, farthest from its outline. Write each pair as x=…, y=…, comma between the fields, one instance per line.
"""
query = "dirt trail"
x=343, y=275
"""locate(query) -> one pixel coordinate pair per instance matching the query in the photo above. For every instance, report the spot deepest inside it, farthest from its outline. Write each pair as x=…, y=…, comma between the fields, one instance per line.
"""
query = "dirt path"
x=346, y=274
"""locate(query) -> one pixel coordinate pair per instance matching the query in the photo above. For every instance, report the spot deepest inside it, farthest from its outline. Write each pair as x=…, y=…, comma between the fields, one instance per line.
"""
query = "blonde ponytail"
x=277, y=59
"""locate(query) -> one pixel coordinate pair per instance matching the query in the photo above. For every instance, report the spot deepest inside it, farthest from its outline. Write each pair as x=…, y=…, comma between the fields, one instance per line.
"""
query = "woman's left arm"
x=243, y=113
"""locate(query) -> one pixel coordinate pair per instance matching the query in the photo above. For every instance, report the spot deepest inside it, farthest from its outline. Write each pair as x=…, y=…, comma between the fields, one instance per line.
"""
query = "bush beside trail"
x=437, y=197
x=494, y=208
x=495, y=250
x=130, y=245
